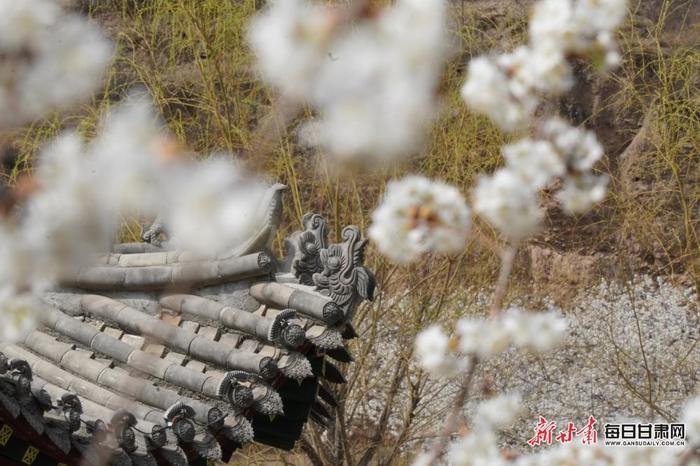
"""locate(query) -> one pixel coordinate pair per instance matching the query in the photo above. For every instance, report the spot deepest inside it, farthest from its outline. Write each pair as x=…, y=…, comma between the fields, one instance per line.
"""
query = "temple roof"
x=155, y=356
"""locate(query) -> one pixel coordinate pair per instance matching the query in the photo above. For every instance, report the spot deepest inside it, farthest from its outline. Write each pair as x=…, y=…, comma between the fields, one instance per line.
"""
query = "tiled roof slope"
x=157, y=357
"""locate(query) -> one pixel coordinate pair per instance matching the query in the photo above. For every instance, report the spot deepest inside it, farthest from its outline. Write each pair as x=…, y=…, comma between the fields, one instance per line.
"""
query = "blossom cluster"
x=480, y=445
x=509, y=198
x=509, y=87
x=48, y=59
x=584, y=455
x=419, y=216
x=83, y=189
x=435, y=355
x=486, y=338
x=372, y=83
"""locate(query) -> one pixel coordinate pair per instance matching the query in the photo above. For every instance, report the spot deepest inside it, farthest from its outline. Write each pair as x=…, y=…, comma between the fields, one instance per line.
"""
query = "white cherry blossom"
x=489, y=91
x=419, y=216
x=580, y=192
x=372, y=83
x=433, y=353
x=498, y=412
x=291, y=41
x=49, y=59
x=536, y=161
x=509, y=203
x=579, y=147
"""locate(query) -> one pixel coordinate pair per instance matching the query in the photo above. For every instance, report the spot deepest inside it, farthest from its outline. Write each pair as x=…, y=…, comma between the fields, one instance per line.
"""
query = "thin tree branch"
x=507, y=260
x=310, y=452
x=399, y=371
x=454, y=416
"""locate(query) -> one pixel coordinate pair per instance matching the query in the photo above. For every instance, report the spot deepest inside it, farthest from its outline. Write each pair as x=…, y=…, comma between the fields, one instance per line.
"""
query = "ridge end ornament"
x=303, y=248
x=344, y=277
